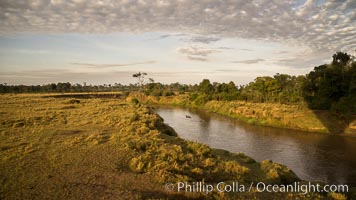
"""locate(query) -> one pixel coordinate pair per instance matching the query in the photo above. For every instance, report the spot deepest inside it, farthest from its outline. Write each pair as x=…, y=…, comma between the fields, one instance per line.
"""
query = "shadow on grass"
x=89, y=96
x=332, y=88
x=337, y=121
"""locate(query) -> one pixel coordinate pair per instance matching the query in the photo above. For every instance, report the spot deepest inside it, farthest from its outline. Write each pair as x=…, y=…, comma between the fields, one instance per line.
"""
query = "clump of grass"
x=73, y=101
x=179, y=163
x=252, y=121
x=134, y=117
x=18, y=124
x=135, y=101
x=336, y=196
x=275, y=172
x=68, y=107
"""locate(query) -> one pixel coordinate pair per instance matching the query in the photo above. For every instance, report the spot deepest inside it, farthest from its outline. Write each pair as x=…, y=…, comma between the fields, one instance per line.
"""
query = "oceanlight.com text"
x=236, y=187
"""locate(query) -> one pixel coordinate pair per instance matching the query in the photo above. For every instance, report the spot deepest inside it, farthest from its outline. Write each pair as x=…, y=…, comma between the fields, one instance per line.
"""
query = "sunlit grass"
x=62, y=148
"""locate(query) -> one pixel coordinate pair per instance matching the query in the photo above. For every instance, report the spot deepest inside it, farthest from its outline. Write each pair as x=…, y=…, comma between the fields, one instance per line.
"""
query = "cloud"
x=45, y=76
x=229, y=70
x=197, y=53
x=246, y=49
x=113, y=65
x=321, y=25
x=297, y=62
x=197, y=58
x=254, y=61
x=164, y=36
x=39, y=72
x=30, y=77
x=283, y=52
x=204, y=39
x=225, y=48
x=303, y=60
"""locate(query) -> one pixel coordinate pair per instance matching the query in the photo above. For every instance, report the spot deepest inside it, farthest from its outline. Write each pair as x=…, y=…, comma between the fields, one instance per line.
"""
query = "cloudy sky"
x=106, y=41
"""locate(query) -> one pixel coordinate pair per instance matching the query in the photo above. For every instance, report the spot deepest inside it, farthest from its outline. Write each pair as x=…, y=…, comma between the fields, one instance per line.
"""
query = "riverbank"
x=64, y=148
x=297, y=117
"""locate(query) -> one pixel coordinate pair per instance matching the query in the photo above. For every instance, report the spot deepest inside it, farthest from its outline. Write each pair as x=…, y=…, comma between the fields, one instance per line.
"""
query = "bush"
x=201, y=99
x=167, y=93
x=277, y=173
x=135, y=101
x=193, y=96
x=156, y=93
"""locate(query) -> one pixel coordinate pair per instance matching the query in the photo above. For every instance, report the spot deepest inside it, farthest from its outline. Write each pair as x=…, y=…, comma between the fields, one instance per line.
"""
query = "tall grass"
x=65, y=148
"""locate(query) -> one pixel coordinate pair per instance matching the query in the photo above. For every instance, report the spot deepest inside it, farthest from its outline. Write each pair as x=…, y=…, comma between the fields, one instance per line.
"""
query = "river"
x=312, y=156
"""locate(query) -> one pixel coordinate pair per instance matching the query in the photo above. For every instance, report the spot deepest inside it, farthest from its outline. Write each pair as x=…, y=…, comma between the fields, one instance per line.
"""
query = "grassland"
x=65, y=148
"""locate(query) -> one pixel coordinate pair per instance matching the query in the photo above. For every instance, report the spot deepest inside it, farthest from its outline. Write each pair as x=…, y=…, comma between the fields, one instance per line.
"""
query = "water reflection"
x=312, y=156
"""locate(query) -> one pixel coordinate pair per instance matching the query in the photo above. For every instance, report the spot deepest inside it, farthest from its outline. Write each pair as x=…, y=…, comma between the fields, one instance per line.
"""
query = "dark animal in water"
x=187, y=116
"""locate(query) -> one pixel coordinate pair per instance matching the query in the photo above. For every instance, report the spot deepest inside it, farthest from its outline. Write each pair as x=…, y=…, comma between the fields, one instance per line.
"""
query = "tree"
x=326, y=85
x=140, y=78
x=341, y=59
x=205, y=87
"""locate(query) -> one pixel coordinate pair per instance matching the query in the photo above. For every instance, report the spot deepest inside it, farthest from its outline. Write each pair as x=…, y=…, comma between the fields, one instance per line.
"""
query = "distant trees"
x=281, y=88
x=64, y=87
x=225, y=92
x=205, y=87
x=328, y=86
x=159, y=89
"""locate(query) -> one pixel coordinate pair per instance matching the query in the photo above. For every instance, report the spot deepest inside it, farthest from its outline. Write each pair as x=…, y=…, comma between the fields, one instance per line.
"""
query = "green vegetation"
x=329, y=91
x=68, y=148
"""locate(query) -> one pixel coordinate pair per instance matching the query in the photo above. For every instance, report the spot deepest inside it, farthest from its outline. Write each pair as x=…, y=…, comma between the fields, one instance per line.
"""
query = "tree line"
x=328, y=86
x=64, y=87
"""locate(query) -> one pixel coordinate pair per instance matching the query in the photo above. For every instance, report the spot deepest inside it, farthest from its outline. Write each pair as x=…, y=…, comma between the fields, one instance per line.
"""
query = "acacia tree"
x=140, y=78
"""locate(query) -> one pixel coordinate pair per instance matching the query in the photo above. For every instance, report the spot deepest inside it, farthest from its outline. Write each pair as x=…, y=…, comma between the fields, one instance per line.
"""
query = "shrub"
x=201, y=99
x=167, y=93
x=193, y=96
x=135, y=101
x=156, y=93
x=278, y=173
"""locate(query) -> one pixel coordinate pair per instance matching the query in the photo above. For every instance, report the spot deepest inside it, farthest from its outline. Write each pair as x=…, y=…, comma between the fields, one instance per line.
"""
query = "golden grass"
x=65, y=148
x=277, y=115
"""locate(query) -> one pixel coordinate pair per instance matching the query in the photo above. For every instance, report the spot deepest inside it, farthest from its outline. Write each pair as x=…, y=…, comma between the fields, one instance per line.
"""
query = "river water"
x=312, y=156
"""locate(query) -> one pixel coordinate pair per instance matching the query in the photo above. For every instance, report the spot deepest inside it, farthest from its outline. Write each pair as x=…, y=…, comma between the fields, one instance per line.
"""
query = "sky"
x=106, y=41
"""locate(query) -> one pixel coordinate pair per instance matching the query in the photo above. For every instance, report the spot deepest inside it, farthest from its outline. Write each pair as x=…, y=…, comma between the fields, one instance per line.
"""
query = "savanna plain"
x=115, y=148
